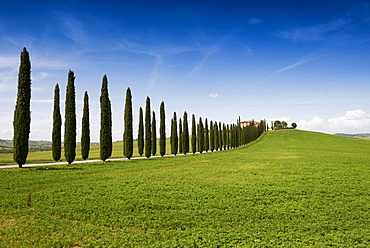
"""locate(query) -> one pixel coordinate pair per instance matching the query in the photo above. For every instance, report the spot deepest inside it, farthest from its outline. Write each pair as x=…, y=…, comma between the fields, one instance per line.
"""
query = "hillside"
x=358, y=135
x=6, y=146
x=290, y=188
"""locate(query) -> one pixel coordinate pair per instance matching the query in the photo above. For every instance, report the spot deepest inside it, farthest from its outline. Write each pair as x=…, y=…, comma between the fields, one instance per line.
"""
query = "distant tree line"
x=282, y=125
x=204, y=137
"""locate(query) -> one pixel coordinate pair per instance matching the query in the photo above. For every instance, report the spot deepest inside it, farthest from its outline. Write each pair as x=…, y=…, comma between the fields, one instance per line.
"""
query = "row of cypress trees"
x=217, y=137
x=70, y=123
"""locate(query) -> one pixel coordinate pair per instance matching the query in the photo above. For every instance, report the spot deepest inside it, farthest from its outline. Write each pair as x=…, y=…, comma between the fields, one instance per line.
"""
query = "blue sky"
x=301, y=61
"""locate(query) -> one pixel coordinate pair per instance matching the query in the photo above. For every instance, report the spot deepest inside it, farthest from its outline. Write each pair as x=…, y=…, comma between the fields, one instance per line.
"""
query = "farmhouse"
x=247, y=123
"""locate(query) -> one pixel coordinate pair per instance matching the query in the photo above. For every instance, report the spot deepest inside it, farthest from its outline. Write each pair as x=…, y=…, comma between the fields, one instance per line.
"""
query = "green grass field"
x=46, y=156
x=290, y=188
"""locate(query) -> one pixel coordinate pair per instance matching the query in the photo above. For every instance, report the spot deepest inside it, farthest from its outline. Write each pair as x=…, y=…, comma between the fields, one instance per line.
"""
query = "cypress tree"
x=140, y=138
x=219, y=136
x=201, y=136
x=185, y=134
x=231, y=136
x=180, y=136
x=154, y=135
x=85, y=131
x=224, y=136
x=237, y=136
x=211, y=136
x=171, y=137
x=162, y=130
x=128, y=137
x=227, y=137
x=148, y=129
x=70, y=120
x=22, y=112
x=56, y=136
x=206, y=136
x=105, y=122
x=197, y=136
x=215, y=130
x=174, y=135
x=193, y=135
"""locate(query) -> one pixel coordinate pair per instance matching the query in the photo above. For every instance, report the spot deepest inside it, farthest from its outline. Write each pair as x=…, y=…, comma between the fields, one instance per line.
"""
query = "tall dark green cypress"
x=201, y=135
x=211, y=136
x=220, y=136
x=185, y=134
x=215, y=130
x=193, y=135
x=148, y=129
x=56, y=136
x=180, y=136
x=154, y=135
x=140, y=137
x=162, y=130
x=198, y=136
x=237, y=135
x=85, y=131
x=70, y=120
x=22, y=112
x=227, y=137
x=224, y=136
x=206, y=136
x=128, y=136
x=171, y=136
x=105, y=122
x=174, y=135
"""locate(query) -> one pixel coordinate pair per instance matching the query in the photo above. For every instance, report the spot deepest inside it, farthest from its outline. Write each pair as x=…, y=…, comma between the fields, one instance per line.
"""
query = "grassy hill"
x=6, y=146
x=290, y=188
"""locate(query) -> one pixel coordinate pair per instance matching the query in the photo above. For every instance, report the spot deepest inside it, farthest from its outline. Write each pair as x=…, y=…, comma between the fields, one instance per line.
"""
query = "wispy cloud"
x=155, y=51
x=72, y=27
x=154, y=75
x=337, y=30
x=41, y=75
x=315, y=32
x=11, y=62
x=255, y=21
x=8, y=80
x=42, y=100
x=212, y=50
x=214, y=95
x=298, y=63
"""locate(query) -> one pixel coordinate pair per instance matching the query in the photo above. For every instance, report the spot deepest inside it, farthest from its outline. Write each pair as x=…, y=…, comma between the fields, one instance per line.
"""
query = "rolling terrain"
x=288, y=188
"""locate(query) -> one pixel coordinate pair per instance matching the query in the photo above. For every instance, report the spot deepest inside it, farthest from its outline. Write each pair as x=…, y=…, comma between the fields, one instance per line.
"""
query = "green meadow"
x=46, y=156
x=288, y=188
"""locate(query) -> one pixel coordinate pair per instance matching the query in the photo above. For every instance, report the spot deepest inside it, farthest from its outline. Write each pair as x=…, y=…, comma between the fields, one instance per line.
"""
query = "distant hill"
x=6, y=146
x=357, y=135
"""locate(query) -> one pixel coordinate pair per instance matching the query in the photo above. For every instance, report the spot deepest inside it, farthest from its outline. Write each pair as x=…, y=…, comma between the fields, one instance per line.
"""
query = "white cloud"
x=316, y=124
x=213, y=95
x=354, y=121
